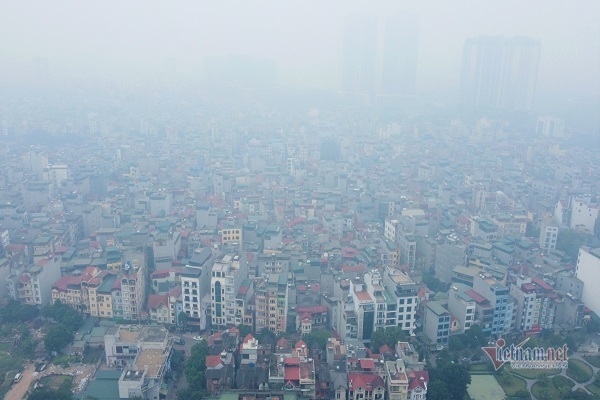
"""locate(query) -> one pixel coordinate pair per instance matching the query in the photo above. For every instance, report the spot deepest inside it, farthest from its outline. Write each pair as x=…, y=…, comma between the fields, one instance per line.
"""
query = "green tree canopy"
x=17, y=312
x=57, y=337
x=453, y=377
x=390, y=336
x=63, y=314
x=244, y=330
x=317, y=339
x=195, y=366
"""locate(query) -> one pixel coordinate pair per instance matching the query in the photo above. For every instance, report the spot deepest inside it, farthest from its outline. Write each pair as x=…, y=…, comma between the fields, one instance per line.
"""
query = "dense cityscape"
x=240, y=240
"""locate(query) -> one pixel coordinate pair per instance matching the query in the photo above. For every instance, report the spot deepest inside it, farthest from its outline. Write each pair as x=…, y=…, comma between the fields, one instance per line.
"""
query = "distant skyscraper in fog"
x=399, y=61
x=499, y=73
x=359, y=69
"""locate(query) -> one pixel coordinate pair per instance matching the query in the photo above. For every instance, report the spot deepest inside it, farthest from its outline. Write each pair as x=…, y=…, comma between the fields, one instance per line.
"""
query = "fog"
x=156, y=43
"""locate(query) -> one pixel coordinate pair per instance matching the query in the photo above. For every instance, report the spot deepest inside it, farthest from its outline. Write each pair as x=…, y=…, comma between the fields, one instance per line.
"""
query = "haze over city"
x=156, y=42
x=299, y=200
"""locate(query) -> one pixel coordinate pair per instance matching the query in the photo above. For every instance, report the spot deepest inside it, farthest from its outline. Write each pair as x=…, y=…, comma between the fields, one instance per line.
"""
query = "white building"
x=588, y=270
x=548, y=236
x=583, y=214
x=190, y=293
x=227, y=276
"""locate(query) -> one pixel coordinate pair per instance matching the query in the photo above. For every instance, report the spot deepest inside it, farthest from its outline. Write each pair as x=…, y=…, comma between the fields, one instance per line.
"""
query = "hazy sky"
x=149, y=38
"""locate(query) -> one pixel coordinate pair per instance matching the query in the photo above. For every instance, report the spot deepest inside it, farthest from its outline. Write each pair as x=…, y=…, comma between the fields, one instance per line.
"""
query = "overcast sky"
x=146, y=38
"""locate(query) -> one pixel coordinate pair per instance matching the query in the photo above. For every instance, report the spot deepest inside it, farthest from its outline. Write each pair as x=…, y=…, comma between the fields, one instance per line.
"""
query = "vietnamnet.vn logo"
x=527, y=358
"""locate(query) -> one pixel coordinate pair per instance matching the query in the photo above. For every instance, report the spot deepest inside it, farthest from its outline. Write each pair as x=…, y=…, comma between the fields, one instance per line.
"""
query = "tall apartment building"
x=273, y=263
x=548, y=235
x=271, y=302
x=535, y=308
x=436, y=322
x=191, y=295
x=404, y=291
x=498, y=296
x=462, y=306
x=499, y=73
x=588, y=270
x=227, y=276
x=34, y=284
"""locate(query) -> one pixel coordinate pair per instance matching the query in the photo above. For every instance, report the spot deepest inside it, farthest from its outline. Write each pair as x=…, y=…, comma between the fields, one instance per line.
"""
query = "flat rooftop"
x=151, y=358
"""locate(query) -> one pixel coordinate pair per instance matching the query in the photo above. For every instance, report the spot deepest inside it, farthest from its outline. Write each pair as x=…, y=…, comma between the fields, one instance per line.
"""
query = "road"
x=19, y=390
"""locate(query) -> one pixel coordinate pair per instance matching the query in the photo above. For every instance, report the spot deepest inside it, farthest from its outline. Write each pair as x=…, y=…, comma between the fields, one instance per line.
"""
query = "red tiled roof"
x=363, y=296
x=540, y=282
x=311, y=309
x=154, y=300
x=367, y=363
x=299, y=344
x=475, y=296
x=63, y=283
x=292, y=361
x=420, y=380
x=292, y=373
x=353, y=268
x=248, y=338
x=213, y=361
x=385, y=349
x=365, y=381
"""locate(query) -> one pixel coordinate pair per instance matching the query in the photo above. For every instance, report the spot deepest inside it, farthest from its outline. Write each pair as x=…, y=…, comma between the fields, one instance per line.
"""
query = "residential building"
x=588, y=270
x=145, y=353
x=227, y=276
x=436, y=322
x=400, y=287
x=461, y=306
x=535, y=307
x=191, y=296
x=548, y=235
x=396, y=380
x=498, y=296
x=367, y=386
x=34, y=285
x=271, y=302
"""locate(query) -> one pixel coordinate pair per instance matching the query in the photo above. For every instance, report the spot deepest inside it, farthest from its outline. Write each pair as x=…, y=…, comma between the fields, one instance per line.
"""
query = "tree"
x=244, y=330
x=266, y=336
x=317, y=339
x=457, y=379
x=195, y=366
x=570, y=241
x=182, y=319
x=63, y=314
x=433, y=283
x=593, y=325
x=57, y=337
x=390, y=336
x=437, y=390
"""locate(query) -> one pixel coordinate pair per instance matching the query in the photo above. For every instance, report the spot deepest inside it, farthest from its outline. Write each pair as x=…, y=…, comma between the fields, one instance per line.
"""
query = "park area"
x=485, y=387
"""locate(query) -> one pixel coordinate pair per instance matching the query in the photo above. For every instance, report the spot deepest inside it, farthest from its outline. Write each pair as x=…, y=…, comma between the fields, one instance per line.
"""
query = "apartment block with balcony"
x=498, y=296
x=271, y=303
x=535, y=307
x=34, y=285
x=227, y=276
x=191, y=295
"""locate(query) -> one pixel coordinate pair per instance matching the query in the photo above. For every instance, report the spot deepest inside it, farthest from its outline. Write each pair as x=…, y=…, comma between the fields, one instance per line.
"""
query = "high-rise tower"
x=399, y=57
x=499, y=73
x=359, y=68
